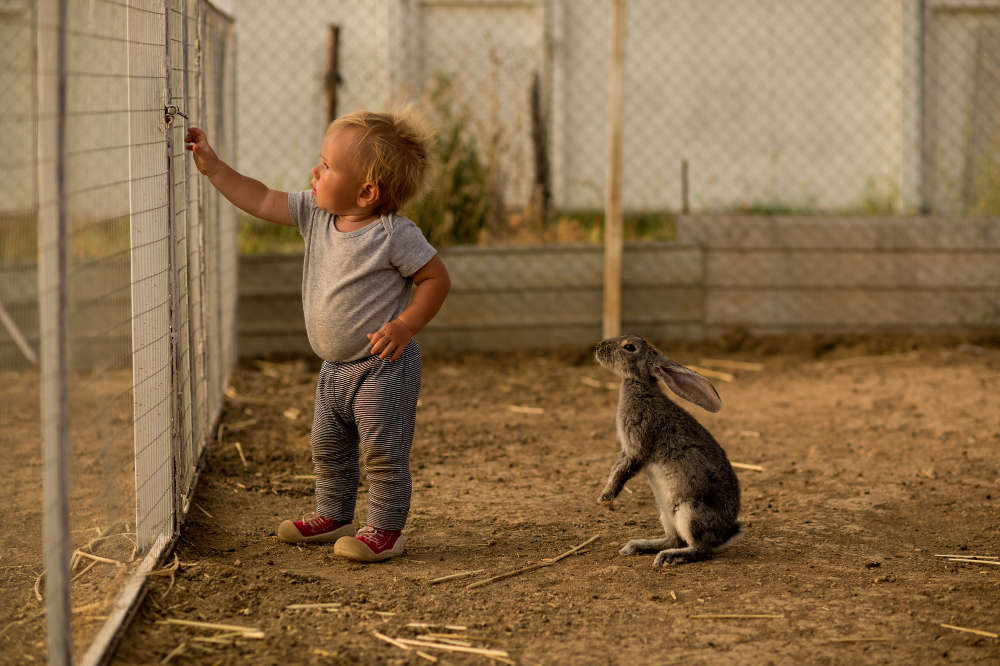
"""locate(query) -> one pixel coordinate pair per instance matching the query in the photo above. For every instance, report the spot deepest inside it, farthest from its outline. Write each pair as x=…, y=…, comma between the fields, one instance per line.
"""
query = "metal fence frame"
x=183, y=274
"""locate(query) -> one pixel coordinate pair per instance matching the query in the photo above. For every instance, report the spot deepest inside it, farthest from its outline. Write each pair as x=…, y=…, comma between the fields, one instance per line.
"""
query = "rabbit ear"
x=687, y=383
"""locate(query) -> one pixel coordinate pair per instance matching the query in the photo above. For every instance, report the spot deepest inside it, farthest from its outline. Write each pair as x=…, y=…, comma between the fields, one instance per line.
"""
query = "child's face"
x=336, y=186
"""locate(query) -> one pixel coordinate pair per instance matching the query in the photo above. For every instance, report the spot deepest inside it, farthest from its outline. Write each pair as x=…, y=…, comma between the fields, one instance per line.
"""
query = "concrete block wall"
x=775, y=275
x=762, y=275
x=502, y=298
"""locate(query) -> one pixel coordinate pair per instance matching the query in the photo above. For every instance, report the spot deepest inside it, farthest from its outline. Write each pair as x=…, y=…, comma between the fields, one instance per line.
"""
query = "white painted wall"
x=768, y=101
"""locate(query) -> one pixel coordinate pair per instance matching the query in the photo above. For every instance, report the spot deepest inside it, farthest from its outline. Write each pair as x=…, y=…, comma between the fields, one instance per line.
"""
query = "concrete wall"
x=849, y=275
x=764, y=275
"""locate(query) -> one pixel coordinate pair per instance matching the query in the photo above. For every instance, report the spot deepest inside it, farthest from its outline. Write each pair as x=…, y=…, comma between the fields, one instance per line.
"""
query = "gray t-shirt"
x=354, y=282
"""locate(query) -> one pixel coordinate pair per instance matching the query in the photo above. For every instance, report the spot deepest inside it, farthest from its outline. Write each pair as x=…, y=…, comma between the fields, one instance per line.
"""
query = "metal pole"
x=613, y=222
x=52, y=246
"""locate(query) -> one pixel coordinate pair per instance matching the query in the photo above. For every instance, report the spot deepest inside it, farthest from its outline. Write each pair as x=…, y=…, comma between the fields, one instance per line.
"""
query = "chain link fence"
x=117, y=301
x=817, y=107
x=767, y=112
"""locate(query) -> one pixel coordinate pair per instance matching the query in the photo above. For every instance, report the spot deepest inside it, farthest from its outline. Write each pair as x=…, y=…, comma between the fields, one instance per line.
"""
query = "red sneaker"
x=370, y=545
x=313, y=528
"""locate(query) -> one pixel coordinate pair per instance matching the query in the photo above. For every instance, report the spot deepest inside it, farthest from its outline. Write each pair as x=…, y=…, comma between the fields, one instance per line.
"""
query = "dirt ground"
x=101, y=506
x=876, y=456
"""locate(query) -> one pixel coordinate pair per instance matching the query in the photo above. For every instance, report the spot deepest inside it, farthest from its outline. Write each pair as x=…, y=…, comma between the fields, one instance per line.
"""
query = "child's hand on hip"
x=389, y=341
x=204, y=157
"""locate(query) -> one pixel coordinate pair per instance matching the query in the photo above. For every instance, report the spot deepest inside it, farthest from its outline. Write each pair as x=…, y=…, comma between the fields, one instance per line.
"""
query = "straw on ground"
x=544, y=563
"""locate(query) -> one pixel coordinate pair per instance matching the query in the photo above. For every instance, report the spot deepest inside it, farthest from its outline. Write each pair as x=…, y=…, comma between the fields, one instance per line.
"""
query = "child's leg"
x=334, y=449
x=385, y=409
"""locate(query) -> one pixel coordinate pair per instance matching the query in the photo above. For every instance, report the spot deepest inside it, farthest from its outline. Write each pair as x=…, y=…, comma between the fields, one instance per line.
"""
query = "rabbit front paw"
x=606, y=498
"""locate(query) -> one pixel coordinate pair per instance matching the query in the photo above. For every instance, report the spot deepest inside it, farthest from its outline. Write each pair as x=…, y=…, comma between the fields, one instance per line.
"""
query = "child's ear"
x=368, y=196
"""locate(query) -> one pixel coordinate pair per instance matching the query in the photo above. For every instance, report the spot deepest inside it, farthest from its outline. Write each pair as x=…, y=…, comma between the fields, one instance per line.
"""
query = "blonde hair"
x=391, y=152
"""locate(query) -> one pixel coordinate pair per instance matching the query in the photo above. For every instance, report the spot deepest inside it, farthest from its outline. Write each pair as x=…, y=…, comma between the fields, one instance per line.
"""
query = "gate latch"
x=171, y=110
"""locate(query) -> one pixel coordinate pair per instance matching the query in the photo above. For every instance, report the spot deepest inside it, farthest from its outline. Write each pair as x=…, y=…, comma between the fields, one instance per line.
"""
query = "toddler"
x=361, y=259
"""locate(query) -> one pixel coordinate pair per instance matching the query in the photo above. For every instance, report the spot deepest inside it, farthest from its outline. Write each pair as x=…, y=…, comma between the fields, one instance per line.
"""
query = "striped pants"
x=371, y=404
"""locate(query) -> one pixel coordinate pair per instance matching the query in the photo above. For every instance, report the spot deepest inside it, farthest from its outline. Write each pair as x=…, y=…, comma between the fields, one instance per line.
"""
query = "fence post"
x=613, y=223
x=331, y=79
x=52, y=254
x=173, y=290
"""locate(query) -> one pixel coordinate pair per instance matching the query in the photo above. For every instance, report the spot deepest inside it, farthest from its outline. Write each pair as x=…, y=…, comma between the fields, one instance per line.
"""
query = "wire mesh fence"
x=117, y=300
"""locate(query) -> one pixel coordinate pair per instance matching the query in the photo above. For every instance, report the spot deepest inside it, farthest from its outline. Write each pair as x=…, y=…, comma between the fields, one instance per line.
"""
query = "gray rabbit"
x=694, y=485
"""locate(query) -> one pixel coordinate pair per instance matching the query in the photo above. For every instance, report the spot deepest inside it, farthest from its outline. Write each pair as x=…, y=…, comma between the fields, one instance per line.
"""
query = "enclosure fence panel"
x=116, y=302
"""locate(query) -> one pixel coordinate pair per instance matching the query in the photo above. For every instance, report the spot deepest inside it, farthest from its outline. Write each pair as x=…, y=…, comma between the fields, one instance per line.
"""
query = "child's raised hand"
x=204, y=157
x=389, y=341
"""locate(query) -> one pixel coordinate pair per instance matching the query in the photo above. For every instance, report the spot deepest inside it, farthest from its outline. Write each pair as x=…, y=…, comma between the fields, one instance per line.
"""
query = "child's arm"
x=432, y=284
x=247, y=194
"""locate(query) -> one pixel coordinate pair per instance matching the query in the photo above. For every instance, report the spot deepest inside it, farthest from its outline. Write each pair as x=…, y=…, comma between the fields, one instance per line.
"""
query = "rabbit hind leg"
x=663, y=494
x=636, y=546
x=668, y=541
x=696, y=549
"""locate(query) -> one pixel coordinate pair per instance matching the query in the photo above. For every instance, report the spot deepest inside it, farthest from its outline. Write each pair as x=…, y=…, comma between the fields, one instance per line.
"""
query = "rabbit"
x=693, y=483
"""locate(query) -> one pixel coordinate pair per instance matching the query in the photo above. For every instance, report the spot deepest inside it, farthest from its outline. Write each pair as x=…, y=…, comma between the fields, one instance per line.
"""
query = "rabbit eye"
x=628, y=346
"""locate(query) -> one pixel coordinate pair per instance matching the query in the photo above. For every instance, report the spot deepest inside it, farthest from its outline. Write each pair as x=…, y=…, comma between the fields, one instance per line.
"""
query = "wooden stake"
x=331, y=78
x=613, y=215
